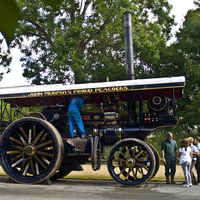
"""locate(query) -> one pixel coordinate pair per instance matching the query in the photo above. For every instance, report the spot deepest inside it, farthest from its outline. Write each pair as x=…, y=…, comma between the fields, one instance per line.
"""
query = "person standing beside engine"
x=169, y=156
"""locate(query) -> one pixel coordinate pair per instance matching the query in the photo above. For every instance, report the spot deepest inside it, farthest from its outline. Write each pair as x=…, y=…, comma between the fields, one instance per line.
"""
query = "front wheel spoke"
x=142, y=159
x=133, y=149
x=17, y=162
x=29, y=135
x=26, y=169
x=127, y=151
x=120, y=159
x=44, y=144
x=140, y=171
x=139, y=154
x=14, y=152
x=122, y=171
x=38, y=137
x=18, y=156
x=134, y=174
x=129, y=171
x=121, y=164
x=16, y=141
x=23, y=132
x=141, y=165
x=39, y=161
x=44, y=153
x=120, y=152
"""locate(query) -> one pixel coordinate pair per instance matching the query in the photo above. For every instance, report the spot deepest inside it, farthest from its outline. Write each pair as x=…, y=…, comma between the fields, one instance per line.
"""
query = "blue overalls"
x=74, y=115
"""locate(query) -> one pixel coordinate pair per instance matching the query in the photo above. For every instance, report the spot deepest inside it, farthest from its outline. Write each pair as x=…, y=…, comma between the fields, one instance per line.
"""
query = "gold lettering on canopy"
x=81, y=91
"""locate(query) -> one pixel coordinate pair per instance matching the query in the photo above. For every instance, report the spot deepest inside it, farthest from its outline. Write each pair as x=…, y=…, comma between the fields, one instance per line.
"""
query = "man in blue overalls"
x=74, y=115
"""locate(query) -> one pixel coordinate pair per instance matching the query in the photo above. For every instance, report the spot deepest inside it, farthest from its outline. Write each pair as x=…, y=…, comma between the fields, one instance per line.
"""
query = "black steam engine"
x=38, y=146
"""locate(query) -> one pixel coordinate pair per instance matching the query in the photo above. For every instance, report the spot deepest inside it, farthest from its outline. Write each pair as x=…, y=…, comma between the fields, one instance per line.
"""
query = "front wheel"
x=131, y=162
x=31, y=150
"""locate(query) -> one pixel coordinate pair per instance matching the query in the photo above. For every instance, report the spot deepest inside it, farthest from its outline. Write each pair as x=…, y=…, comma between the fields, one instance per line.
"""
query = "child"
x=195, y=153
x=185, y=161
x=197, y=166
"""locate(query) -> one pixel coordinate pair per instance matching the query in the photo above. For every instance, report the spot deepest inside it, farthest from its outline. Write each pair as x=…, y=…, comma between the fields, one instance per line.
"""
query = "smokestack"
x=128, y=46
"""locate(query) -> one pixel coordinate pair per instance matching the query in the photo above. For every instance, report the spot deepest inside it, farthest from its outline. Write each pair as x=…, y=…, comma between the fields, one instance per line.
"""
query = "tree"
x=84, y=40
x=188, y=63
x=10, y=14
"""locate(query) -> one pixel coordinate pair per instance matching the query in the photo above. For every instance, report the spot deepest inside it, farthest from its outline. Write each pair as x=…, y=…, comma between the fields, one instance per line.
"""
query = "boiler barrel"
x=110, y=135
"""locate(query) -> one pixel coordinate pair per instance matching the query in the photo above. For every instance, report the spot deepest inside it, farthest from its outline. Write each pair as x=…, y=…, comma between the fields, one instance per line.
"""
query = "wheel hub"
x=30, y=150
x=130, y=162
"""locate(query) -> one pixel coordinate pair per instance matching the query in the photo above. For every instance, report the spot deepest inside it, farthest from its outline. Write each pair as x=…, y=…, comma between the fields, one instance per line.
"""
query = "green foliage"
x=9, y=116
x=9, y=15
x=157, y=137
x=185, y=59
x=83, y=41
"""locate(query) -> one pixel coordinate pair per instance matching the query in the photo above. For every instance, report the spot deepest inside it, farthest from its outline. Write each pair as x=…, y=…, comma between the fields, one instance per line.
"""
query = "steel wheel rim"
x=131, y=163
x=29, y=150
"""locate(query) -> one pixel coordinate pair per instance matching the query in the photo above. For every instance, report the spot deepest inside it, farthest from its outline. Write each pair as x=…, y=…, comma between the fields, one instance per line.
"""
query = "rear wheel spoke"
x=44, y=153
x=18, y=156
x=26, y=169
x=17, y=162
x=38, y=137
x=32, y=166
x=29, y=135
x=14, y=152
x=23, y=132
x=16, y=141
x=22, y=139
x=40, y=162
x=37, y=168
x=44, y=144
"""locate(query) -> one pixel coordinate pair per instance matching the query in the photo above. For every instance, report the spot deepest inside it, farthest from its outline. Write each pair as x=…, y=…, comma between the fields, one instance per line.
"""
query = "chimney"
x=128, y=46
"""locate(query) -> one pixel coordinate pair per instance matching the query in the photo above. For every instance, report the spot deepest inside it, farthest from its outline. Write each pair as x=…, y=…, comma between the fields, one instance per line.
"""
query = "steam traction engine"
x=38, y=146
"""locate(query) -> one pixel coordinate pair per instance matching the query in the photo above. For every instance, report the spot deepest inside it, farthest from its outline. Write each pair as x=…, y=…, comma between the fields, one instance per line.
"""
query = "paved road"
x=94, y=189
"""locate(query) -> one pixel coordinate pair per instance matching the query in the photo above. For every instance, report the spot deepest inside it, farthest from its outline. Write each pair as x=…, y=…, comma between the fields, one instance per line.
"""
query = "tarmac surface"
x=89, y=184
x=72, y=189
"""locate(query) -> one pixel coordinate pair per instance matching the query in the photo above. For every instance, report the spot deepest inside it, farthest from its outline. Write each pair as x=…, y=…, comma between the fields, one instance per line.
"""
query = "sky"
x=15, y=78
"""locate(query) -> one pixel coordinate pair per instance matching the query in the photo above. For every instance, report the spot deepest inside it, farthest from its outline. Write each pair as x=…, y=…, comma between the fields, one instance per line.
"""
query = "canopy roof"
x=63, y=91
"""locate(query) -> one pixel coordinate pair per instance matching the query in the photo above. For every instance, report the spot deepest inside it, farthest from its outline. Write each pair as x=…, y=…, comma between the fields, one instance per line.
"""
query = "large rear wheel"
x=157, y=158
x=31, y=150
x=131, y=162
